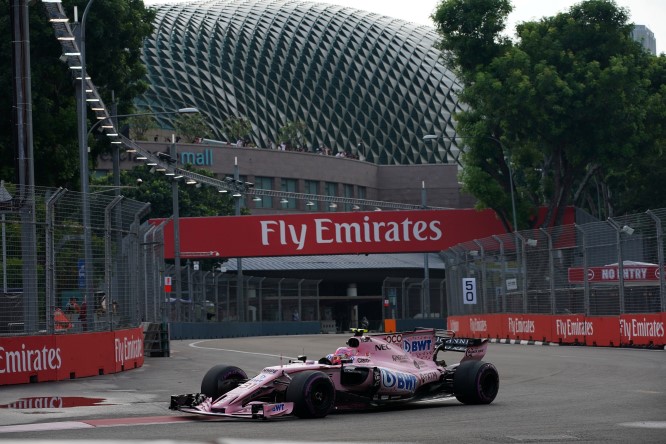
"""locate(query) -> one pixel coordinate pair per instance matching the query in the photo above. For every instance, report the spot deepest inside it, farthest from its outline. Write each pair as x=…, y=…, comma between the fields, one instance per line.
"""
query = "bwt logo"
x=417, y=345
x=397, y=380
x=278, y=408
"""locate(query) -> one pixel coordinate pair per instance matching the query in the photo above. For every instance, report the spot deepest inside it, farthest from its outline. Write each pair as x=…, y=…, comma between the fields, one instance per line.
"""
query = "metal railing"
x=597, y=269
x=61, y=303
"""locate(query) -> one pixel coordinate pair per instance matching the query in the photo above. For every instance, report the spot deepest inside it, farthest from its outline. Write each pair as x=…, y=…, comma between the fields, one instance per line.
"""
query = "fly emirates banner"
x=329, y=233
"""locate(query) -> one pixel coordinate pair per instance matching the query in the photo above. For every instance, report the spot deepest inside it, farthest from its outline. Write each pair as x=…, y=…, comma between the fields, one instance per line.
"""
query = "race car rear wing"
x=459, y=344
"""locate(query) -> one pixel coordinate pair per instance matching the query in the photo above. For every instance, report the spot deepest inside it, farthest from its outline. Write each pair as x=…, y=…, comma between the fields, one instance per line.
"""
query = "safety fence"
x=611, y=270
x=69, y=264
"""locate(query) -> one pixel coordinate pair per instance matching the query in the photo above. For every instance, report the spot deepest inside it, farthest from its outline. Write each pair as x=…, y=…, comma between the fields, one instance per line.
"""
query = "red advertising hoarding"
x=363, y=232
x=25, y=359
x=630, y=329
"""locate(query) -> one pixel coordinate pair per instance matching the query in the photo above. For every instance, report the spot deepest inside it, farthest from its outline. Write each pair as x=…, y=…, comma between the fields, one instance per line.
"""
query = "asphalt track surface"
x=548, y=394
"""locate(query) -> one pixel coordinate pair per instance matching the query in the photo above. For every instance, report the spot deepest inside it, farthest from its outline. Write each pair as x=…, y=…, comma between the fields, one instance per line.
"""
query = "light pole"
x=238, y=189
x=507, y=159
x=239, y=261
x=176, y=230
x=80, y=35
x=425, y=303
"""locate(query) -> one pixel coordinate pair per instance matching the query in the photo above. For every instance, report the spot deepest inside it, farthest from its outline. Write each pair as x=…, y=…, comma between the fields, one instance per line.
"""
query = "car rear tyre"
x=476, y=382
x=221, y=379
x=312, y=393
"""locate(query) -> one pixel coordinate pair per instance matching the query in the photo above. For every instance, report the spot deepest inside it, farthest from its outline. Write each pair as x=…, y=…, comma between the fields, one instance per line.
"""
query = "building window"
x=331, y=189
x=312, y=187
x=349, y=192
x=264, y=183
x=361, y=194
x=289, y=185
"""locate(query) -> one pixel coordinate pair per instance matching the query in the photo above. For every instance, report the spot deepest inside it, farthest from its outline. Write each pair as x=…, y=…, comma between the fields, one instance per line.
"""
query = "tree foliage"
x=139, y=125
x=566, y=110
x=294, y=133
x=142, y=185
x=236, y=128
x=191, y=125
x=114, y=37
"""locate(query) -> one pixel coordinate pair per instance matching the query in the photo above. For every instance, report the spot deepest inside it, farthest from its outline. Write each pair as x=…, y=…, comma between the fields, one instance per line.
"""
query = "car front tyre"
x=312, y=393
x=221, y=379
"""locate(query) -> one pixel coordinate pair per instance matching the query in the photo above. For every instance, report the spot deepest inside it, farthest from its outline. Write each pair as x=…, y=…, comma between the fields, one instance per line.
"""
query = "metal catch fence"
x=68, y=264
x=597, y=269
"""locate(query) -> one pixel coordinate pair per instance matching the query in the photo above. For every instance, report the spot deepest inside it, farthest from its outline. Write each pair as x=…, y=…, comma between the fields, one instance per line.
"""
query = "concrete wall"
x=391, y=183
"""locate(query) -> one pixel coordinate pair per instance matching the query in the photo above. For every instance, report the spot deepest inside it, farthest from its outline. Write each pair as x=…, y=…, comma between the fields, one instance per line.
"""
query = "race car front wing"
x=200, y=404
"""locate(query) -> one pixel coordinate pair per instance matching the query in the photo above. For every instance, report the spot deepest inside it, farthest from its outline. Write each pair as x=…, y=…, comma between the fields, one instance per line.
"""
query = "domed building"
x=370, y=85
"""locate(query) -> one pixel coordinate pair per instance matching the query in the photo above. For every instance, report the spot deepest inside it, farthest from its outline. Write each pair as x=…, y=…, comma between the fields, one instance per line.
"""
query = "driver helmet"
x=340, y=354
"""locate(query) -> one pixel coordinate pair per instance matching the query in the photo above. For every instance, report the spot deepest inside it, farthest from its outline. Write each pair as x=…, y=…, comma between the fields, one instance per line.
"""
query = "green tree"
x=114, y=36
x=294, y=133
x=564, y=108
x=237, y=128
x=142, y=185
x=139, y=125
x=191, y=125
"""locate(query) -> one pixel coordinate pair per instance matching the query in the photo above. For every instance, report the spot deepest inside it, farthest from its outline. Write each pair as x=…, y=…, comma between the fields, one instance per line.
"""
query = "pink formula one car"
x=373, y=370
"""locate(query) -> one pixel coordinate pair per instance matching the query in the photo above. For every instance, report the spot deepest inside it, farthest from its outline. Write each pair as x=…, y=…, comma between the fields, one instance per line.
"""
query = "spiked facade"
x=361, y=82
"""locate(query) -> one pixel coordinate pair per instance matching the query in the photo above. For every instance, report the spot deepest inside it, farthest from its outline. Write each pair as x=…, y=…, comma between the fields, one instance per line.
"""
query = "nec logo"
x=379, y=347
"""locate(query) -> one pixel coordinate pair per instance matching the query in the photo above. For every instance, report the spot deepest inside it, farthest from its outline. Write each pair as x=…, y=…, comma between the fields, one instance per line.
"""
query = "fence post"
x=133, y=264
x=50, y=260
x=551, y=271
x=108, y=258
x=660, y=258
x=586, y=282
x=522, y=268
x=620, y=262
x=483, y=276
x=502, y=272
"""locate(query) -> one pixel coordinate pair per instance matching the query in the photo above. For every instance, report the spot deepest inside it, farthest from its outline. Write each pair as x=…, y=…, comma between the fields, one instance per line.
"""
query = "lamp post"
x=176, y=231
x=507, y=158
x=239, y=261
x=425, y=302
x=80, y=36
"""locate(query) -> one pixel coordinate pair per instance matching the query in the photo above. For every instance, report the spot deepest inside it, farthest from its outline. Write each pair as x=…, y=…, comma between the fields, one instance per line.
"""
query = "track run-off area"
x=547, y=394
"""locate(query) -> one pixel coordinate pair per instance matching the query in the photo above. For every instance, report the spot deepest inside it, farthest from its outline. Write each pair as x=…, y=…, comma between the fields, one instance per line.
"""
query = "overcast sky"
x=651, y=13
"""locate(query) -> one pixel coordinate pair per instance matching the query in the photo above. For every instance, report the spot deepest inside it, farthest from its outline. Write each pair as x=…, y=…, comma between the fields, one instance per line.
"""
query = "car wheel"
x=476, y=382
x=312, y=393
x=221, y=379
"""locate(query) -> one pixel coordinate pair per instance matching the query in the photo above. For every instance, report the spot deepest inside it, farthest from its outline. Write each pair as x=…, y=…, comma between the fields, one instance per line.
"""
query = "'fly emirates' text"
x=326, y=232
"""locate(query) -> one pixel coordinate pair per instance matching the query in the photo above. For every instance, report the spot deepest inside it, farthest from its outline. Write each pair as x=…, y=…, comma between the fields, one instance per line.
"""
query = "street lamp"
x=433, y=138
x=239, y=262
x=108, y=123
x=507, y=157
x=425, y=304
x=80, y=36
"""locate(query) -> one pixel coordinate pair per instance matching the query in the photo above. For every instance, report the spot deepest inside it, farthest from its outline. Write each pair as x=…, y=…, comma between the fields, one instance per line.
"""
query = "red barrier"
x=25, y=359
x=527, y=327
x=642, y=329
x=635, y=329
